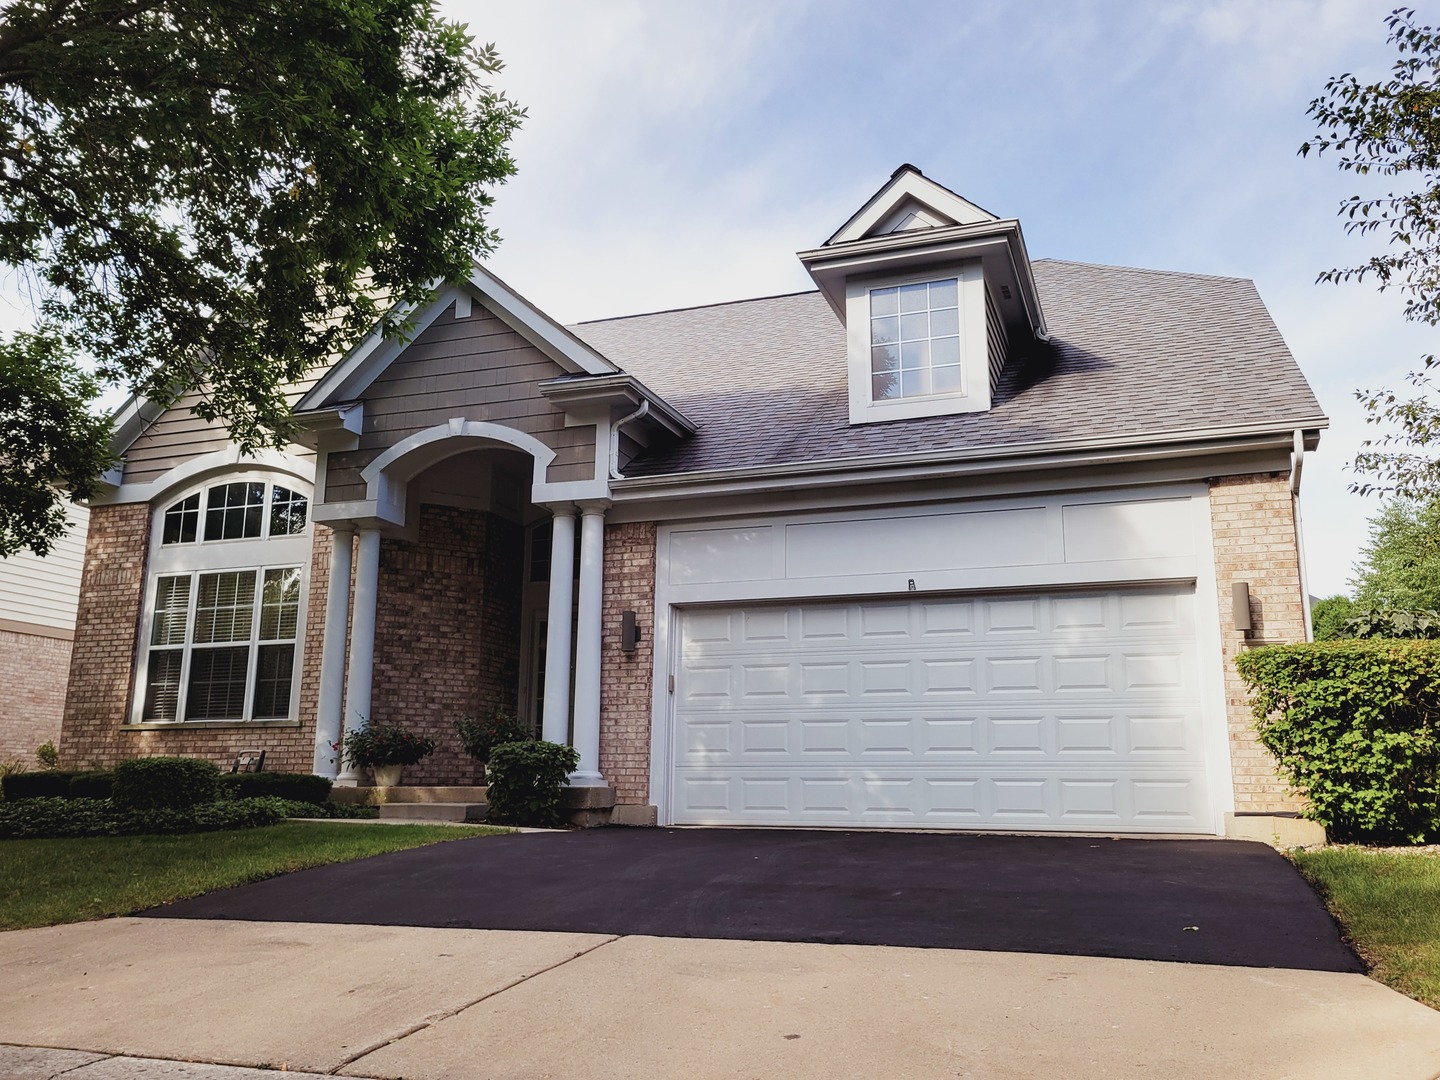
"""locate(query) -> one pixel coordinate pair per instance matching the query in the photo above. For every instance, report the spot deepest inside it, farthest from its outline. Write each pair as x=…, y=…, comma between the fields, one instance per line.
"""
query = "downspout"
x=615, y=437
x=1297, y=466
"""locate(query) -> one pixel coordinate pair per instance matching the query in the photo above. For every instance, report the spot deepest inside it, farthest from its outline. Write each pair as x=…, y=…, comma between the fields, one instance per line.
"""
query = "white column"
x=362, y=640
x=587, y=648
x=556, y=725
x=332, y=654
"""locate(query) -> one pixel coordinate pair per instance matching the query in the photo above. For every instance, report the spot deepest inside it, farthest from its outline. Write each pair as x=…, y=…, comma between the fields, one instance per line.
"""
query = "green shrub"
x=526, y=780
x=47, y=755
x=57, y=784
x=386, y=744
x=300, y=808
x=60, y=818
x=1355, y=726
x=1392, y=623
x=35, y=785
x=299, y=787
x=164, y=783
x=91, y=785
x=480, y=735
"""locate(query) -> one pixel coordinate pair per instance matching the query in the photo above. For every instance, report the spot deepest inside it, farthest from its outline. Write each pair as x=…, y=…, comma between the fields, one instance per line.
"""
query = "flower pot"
x=386, y=775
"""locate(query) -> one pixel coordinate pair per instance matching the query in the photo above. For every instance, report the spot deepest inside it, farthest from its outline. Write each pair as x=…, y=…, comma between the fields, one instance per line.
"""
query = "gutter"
x=615, y=438
x=935, y=464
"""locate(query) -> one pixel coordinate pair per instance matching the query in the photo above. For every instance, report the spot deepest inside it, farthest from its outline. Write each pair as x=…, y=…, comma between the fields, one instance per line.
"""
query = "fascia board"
x=322, y=425
x=830, y=266
x=129, y=421
x=621, y=388
x=353, y=373
x=931, y=464
x=547, y=335
x=907, y=183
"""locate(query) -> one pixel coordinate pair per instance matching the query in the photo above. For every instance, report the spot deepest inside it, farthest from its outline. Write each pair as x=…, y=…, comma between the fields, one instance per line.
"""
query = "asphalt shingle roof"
x=1132, y=353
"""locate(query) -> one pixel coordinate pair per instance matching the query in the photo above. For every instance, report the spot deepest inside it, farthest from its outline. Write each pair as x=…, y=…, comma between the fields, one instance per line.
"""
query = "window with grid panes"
x=222, y=640
x=915, y=340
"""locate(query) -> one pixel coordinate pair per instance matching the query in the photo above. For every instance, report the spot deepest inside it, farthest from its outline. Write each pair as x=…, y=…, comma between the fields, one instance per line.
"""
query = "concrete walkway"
x=425, y=1003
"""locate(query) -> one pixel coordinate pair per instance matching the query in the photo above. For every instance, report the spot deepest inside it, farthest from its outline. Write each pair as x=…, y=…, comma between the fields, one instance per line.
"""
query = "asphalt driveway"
x=1196, y=901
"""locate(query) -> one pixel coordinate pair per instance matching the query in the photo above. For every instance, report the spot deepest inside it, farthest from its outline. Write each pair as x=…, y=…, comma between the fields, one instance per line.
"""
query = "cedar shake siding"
x=447, y=637
x=477, y=368
x=1253, y=527
x=626, y=678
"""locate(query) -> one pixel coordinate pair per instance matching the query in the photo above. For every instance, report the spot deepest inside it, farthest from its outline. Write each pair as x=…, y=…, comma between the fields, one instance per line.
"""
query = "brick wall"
x=102, y=665
x=625, y=678
x=447, y=636
x=1253, y=527
x=33, y=670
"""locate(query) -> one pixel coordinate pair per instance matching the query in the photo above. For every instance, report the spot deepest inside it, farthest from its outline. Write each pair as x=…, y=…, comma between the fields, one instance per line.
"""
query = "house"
x=952, y=541
x=38, y=598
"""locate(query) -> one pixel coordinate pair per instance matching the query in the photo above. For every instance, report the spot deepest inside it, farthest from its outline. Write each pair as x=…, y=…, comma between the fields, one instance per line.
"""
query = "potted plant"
x=480, y=735
x=385, y=749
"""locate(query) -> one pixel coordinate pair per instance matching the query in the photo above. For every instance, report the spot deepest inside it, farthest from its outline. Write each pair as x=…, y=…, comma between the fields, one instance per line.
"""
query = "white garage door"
x=1053, y=711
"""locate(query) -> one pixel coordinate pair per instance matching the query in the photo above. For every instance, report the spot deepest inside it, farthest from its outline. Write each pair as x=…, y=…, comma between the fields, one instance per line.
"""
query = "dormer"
x=935, y=294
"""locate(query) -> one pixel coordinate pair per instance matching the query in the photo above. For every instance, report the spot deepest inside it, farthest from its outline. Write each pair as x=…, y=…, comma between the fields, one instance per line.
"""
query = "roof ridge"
x=694, y=307
x=1146, y=270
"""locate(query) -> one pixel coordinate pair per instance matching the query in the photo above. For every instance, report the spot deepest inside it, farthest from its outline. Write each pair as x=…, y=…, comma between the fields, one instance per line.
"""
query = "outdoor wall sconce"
x=1240, y=606
x=629, y=632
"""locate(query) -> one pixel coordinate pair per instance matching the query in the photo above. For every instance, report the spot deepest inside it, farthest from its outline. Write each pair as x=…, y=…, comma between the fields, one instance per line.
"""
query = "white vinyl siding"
x=46, y=592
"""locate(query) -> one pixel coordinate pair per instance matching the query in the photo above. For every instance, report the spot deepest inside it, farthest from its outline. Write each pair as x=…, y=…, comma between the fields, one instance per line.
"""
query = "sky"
x=680, y=153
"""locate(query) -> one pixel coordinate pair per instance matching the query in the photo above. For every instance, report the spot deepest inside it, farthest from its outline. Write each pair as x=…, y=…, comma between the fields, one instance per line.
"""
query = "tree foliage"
x=220, y=194
x=1392, y=128
x=1400, y=565
x=1329, y=616
x=49, y=440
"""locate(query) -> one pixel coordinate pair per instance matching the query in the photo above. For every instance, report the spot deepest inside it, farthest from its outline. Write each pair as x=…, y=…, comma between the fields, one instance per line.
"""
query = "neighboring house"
x=948, y=543
x=37, y=624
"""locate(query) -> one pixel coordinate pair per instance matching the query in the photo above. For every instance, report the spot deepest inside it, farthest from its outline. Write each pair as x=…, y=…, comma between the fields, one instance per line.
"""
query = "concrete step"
x=403, y=793
x=433, y=811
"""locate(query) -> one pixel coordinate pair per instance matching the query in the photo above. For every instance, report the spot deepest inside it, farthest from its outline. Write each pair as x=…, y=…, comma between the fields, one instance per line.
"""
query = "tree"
x=1400, y=566
x=1392, y=128
x=1329, y=616
x=219, y=195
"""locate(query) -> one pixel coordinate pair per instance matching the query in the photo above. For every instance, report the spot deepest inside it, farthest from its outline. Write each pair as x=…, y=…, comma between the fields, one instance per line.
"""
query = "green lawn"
x=58, y=881
x=1389, y=904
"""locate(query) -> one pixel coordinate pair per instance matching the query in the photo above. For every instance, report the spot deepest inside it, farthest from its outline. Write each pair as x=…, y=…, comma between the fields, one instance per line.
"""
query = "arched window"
x=224, y=615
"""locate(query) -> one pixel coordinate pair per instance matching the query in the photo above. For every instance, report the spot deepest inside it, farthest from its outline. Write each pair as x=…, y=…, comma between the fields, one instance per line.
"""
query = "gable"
x=908, y=201
x=476, y=366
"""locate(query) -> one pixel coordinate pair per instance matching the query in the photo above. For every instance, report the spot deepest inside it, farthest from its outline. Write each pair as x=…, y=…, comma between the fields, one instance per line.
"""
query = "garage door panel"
x=1046, y=710
x=906, y=799
x=837, y=736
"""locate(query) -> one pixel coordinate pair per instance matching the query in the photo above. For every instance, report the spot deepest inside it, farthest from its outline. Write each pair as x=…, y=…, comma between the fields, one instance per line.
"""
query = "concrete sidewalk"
x=430, y=1003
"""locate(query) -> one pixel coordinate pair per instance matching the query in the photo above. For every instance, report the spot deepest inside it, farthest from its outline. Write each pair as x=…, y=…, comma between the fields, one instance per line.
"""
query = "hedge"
x=164, y=783
x=50, y=818
x=300, y=787
x=56, y=784
x=1355, y=727
x=524, y=781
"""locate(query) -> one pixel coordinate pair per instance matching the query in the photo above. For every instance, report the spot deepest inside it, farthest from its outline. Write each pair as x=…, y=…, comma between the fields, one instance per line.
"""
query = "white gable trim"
x=388, y=476
x=352, y=375
x=204, y=466
x=908, y=186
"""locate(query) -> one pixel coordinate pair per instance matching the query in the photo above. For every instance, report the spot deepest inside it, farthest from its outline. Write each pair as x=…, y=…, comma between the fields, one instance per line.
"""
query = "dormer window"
x=936, y=294
x=917, y=344
x=915, y=340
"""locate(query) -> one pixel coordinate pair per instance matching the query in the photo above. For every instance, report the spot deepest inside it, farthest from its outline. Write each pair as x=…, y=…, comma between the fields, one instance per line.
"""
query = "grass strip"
x=43, y=882
x=1389, y=905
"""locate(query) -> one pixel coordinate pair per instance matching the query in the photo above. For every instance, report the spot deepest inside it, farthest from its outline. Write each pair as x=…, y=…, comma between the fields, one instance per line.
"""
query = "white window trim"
x=200, y=556
x=974, y=394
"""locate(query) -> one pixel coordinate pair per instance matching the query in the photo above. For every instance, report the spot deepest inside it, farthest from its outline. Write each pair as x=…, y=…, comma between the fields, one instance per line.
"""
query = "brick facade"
x=33, y=671
x=102, y=668
x=447, y=631
x=1252, y=521
x=626, y=678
